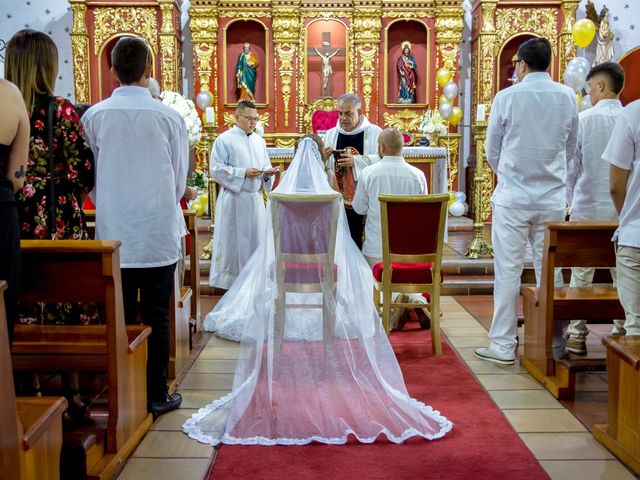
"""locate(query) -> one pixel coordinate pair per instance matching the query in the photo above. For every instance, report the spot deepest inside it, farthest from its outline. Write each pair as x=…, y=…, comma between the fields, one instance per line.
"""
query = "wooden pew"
x=568, y=244
x=30, y=427
x=621, y=434
x=194, y=268
x=88, y=271
x=180, y=333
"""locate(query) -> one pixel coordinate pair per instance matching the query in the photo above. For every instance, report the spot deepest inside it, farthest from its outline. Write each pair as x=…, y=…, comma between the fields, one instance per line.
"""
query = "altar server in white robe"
x=588, y=179
x=240, y=164
x=392, y=175
x=356, y=133
x=531, y=138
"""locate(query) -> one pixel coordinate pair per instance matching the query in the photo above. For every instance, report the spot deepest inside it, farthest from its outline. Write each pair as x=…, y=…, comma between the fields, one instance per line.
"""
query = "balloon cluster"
x=457, y=204
x=200, y=204
x=575, y=75
x=449, y=93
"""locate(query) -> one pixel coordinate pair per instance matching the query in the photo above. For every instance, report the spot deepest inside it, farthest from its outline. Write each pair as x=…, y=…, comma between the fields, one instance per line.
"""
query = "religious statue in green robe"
x=246, y=72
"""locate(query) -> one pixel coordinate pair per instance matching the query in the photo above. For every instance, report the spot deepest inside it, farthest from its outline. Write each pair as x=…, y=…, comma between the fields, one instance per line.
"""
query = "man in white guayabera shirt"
x=141, y=149
x=623, y=154
x=588, y=178
x=531, y=137
x=240, y=164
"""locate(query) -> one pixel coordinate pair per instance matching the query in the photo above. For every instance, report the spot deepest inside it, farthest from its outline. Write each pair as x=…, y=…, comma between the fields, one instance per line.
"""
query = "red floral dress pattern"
x=73, y=173
x=73, y=167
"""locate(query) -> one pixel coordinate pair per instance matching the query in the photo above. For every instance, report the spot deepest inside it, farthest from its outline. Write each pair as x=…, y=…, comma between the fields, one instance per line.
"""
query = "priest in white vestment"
x=240, y=164
x=359, y=137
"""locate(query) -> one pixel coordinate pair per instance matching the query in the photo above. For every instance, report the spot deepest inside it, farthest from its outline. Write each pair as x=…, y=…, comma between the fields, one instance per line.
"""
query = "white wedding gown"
x=304, y=393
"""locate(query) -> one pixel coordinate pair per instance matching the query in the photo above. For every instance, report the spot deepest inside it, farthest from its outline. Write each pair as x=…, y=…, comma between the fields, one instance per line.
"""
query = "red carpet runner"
x=482, y=444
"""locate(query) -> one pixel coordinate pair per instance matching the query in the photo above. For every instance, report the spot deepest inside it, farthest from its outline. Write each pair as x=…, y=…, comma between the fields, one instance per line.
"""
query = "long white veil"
x=302, y=391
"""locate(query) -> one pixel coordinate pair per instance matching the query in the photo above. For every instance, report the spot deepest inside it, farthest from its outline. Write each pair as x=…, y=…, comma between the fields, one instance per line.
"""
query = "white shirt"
x=623, y=151
x=531, y=137
x=392, y=175
x=588, y=178
x=141, y=150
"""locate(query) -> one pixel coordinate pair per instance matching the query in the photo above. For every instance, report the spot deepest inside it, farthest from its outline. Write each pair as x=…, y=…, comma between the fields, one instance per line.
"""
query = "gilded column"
x=449, y=25
x=80, y=47
x=486, y=52
x=366, y=27
x=567, y=47
x=170, y=75
x=204, y=37
x=286, y=33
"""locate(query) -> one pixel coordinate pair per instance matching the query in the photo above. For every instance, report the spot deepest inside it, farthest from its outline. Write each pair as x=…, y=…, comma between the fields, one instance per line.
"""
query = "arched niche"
x=316, y=31
x=630, y=61
x=236, y=33
x=505, y=59
x=416, y=33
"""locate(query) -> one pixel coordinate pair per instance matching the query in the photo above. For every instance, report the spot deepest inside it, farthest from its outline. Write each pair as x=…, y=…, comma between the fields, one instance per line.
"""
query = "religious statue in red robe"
x=406, y=75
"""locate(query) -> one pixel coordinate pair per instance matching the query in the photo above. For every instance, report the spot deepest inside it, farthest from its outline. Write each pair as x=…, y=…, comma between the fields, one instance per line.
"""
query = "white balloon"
x=574, y=78
x=466, y=208
x=460, y=196
x=585, y=104
x=457, y=208
x=580, y=62
x=450, y=90
x=203, y=99
x=446, y=109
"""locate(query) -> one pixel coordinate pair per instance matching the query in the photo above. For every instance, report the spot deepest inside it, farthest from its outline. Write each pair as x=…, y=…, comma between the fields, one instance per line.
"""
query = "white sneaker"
x=485, y=353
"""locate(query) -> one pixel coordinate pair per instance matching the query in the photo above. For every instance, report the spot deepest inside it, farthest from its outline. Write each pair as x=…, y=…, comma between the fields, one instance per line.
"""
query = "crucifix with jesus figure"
x=326, y=52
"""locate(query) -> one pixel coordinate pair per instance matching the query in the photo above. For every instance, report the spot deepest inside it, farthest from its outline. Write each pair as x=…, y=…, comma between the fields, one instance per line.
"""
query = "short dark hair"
x=244, y=104
x=613, y=72
x=536, y=52
x=129, y=59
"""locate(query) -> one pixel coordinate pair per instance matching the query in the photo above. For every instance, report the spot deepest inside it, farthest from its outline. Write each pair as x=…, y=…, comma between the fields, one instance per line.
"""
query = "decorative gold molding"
x=286, y=32
x=80, y=49
x=567, y=47
x=366, y=26
x=169, y=55
x=286, y=52
x=449, y=25
x=244, y=13
x=404, y=120
x=229, y=119
x=108, y=21
x=541, y=21
x=325, y=14
x=326, y=104
x=451, y=142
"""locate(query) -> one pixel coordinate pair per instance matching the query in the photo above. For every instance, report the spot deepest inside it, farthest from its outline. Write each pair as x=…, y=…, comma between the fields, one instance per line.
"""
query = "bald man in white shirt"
x=531, y=137
x=588, y=179
x=623, y=155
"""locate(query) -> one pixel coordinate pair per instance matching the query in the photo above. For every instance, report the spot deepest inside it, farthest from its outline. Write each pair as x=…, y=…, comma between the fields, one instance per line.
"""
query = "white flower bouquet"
x=187, y=110
x=432, y=124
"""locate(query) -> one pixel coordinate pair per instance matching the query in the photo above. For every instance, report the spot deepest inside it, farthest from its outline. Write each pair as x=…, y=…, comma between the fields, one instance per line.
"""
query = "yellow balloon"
x=456, y=116
x=204, y=199
x=443, y=76
x=578, y=97
x=583, y=32
x=443, y=99
x=452, y=198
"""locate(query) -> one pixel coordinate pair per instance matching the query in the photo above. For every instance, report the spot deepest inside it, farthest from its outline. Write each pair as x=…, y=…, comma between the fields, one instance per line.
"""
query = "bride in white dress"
x=304, y=392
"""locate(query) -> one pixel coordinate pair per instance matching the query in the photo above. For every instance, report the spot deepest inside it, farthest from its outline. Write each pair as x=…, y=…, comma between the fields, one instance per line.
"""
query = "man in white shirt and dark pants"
x=531, y=137
x=240, y=164
x=623, y=155
x=588, y=179
x=141, y=149
x=391, y=175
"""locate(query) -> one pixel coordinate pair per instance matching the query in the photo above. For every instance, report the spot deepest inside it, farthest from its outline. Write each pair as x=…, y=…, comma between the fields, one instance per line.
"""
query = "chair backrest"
x=575, y=244
x=304, y=226
x=413, y=227
x=321, y=115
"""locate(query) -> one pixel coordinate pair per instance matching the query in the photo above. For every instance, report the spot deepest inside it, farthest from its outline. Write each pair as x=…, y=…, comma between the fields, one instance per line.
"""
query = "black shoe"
x=168, y=403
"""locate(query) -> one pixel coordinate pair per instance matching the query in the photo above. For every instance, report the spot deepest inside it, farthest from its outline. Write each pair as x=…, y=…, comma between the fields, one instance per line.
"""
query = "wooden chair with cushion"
x=412, y=240
x=305, y=265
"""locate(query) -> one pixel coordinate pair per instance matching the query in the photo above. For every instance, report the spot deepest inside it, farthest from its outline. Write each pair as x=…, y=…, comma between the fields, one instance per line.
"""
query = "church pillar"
x=286, y=41
x=449, y=24
x=567, y=47
x=80, y=48
x=170, y=46
x=486, y=54
x=204, y=37
x=367, y=25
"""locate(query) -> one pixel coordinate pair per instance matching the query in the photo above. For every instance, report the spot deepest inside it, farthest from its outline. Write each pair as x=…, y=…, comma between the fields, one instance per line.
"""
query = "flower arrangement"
x=187, y=110
x=432, y=123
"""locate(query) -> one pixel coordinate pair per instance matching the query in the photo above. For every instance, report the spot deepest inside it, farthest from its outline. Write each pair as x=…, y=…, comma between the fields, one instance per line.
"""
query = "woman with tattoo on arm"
x=14, y=145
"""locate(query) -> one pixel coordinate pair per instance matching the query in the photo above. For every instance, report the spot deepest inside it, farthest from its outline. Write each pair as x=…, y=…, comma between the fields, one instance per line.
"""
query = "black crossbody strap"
x=52, y=183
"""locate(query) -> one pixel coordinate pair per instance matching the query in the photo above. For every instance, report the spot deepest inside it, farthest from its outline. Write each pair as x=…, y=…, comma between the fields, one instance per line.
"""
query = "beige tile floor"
x=563, y=446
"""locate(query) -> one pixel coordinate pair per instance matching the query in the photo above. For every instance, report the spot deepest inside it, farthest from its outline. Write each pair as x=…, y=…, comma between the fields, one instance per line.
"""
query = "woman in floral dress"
x=31, y=63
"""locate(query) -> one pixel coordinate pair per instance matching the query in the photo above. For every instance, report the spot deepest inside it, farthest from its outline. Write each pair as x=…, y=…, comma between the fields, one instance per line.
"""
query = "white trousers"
x=512, y=230
x=628, y=264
